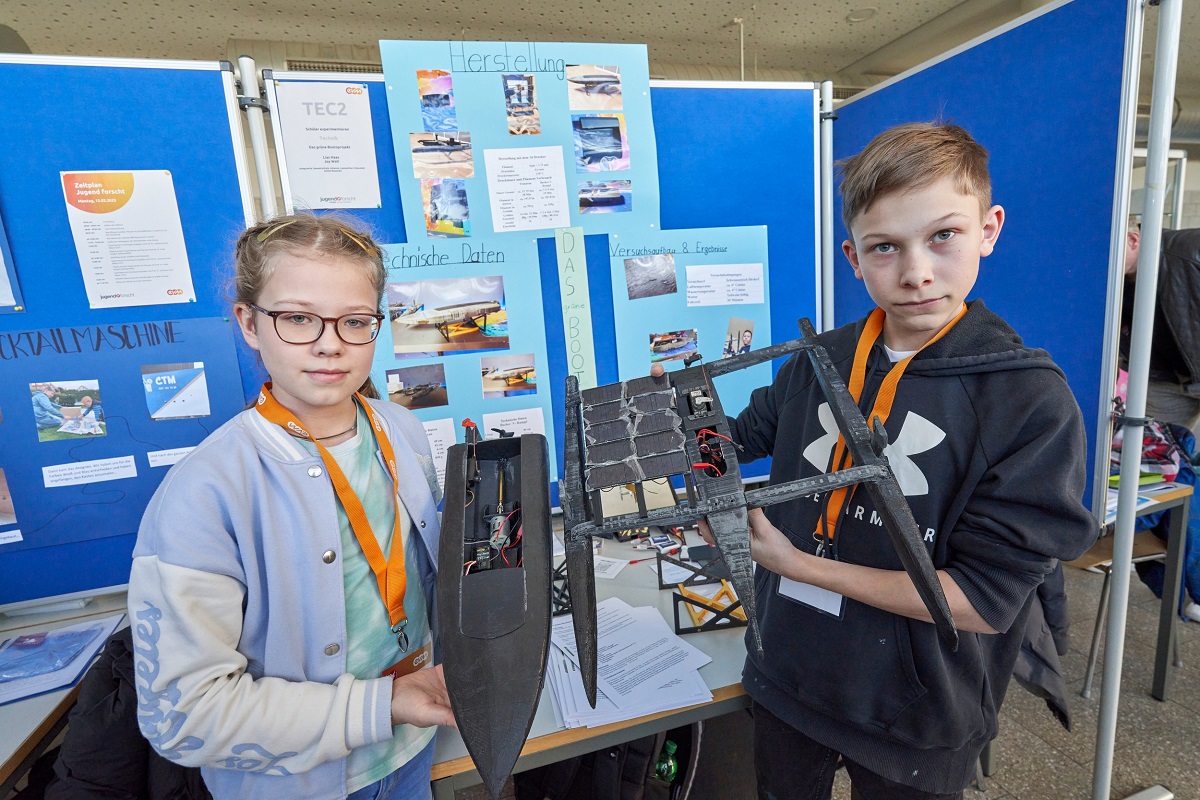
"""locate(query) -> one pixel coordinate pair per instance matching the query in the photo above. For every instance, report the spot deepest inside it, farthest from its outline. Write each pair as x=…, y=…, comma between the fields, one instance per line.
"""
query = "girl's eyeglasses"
x=300, y=327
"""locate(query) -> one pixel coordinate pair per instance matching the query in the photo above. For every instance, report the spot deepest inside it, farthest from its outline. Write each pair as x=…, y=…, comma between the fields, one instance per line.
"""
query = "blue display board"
x=1043, y=98
x=78, y=496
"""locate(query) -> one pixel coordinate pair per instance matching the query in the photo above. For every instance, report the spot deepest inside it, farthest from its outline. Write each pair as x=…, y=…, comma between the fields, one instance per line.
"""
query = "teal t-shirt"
x=371, y=645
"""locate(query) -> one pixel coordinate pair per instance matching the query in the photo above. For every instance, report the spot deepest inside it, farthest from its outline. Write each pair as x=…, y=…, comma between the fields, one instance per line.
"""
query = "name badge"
x=412, y=663
x=815, y=597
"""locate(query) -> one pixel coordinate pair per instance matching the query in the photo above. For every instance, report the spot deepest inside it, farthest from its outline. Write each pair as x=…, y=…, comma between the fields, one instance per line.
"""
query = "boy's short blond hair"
x=912, y=156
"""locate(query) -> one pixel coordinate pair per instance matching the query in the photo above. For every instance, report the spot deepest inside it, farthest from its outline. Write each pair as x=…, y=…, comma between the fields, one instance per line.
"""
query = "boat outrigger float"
x=674, y=426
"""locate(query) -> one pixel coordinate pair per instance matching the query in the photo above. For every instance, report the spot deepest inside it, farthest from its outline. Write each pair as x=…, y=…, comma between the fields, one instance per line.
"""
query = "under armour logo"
x=917, y=435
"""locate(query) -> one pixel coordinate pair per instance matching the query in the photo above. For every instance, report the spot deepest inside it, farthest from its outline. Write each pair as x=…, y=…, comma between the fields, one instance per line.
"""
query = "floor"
x=1035, y=759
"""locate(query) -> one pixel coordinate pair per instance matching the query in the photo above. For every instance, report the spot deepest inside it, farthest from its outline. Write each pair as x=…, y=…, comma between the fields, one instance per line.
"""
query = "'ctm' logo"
x=917, y=435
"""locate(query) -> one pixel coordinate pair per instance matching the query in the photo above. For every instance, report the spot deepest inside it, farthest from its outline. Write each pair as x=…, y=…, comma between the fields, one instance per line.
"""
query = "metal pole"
x=1177, y=198
x=252, y=104
x=1122, y=181
x=825, y=318
x=1161, y=106
x=741, y=44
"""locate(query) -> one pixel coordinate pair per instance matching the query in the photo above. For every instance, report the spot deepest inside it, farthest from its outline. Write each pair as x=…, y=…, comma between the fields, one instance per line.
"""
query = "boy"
x=987, y=443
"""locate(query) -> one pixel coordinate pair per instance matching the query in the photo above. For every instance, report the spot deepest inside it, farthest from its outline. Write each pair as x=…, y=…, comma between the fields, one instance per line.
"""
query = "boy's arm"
x=1023, y=514
x=890, y=590
x=754, y=429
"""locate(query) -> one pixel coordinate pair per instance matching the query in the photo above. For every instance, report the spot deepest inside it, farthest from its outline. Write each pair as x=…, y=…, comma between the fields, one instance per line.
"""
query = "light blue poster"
x=506, y=138
x=687, y=295
x=464, y=339
x=10, y=290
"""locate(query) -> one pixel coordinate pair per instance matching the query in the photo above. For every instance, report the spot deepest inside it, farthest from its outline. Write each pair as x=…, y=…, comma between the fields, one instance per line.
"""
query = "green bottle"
x=666, y=767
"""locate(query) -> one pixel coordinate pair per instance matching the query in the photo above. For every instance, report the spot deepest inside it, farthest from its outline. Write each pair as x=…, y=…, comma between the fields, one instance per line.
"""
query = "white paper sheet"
x=571, y=709
x=527, y=188
x=165, y=458
x=725, y=284
x=519, y=422
x=609, y=568
x=636, y=650
x=128, y=237
x=104, y=469
x=440, y=433
x=328, y=144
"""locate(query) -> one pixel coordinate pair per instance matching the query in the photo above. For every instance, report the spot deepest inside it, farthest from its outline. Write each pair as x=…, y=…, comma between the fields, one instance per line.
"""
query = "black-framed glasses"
x=301, y=327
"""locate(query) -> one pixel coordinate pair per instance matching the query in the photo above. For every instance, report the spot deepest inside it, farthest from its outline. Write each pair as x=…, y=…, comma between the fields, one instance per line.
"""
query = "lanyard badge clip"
x=401, y=634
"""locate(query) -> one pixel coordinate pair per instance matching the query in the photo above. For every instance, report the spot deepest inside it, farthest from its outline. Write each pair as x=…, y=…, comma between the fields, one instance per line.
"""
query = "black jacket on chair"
x=104, y=754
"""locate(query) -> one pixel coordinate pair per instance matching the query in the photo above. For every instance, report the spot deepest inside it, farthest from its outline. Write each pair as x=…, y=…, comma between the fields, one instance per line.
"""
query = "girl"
x=46, y=412
x=282, y=591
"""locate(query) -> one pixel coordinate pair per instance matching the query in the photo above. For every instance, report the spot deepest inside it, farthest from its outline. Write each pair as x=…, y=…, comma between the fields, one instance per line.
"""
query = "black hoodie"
x=987, y=442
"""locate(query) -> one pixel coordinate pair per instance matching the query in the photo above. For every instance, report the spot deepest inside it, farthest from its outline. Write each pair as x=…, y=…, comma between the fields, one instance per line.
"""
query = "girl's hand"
x=420, y=699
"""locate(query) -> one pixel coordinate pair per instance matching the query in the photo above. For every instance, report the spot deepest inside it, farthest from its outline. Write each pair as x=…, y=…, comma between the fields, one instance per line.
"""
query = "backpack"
x=620, y=772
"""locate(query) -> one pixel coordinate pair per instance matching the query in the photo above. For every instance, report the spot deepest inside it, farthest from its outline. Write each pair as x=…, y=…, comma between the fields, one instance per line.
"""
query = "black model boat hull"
x=494, y=621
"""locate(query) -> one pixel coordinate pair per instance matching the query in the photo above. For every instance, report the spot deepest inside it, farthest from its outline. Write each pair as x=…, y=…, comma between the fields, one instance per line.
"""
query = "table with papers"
x=643, y=695
x=644, y=667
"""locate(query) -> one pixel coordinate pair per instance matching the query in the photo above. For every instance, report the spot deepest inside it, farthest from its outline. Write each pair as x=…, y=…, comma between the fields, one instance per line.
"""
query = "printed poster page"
x=463, y=112
x=328, y=144
x=528, y=189
x=465, y=338
x=128, y=237
x=678, y=294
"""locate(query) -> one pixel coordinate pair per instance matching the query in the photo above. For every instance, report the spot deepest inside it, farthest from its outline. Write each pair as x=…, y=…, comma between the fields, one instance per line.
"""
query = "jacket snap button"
x=328, y=556
x=332, y=650
x=314, y=472
x=422, y=523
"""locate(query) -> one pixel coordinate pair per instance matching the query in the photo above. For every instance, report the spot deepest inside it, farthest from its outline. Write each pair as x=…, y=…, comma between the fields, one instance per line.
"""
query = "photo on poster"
x=176, y=391
x=447, y=316
x=673, y=345
x=508, y=375
x=8, y=514
x=601, y=144
x=447, y=215
x=65, y=410
x=591, y=87
x=418, y=387
x=739, y=337
x=442, y=155
x=605, y=197
x=436, y=88
x=650, y=276
x=520, y=105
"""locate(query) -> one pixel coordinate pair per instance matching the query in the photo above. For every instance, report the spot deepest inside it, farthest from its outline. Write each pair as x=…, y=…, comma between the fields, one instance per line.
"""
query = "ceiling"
x=782, y=39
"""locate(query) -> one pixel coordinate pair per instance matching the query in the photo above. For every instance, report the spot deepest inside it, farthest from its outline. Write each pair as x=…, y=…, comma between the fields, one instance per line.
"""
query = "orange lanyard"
x=881, y=408
x=389, y=574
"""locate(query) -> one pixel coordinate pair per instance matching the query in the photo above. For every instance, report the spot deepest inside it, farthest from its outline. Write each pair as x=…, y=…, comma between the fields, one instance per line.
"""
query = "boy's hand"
x=420, y=699
x=768, y=545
